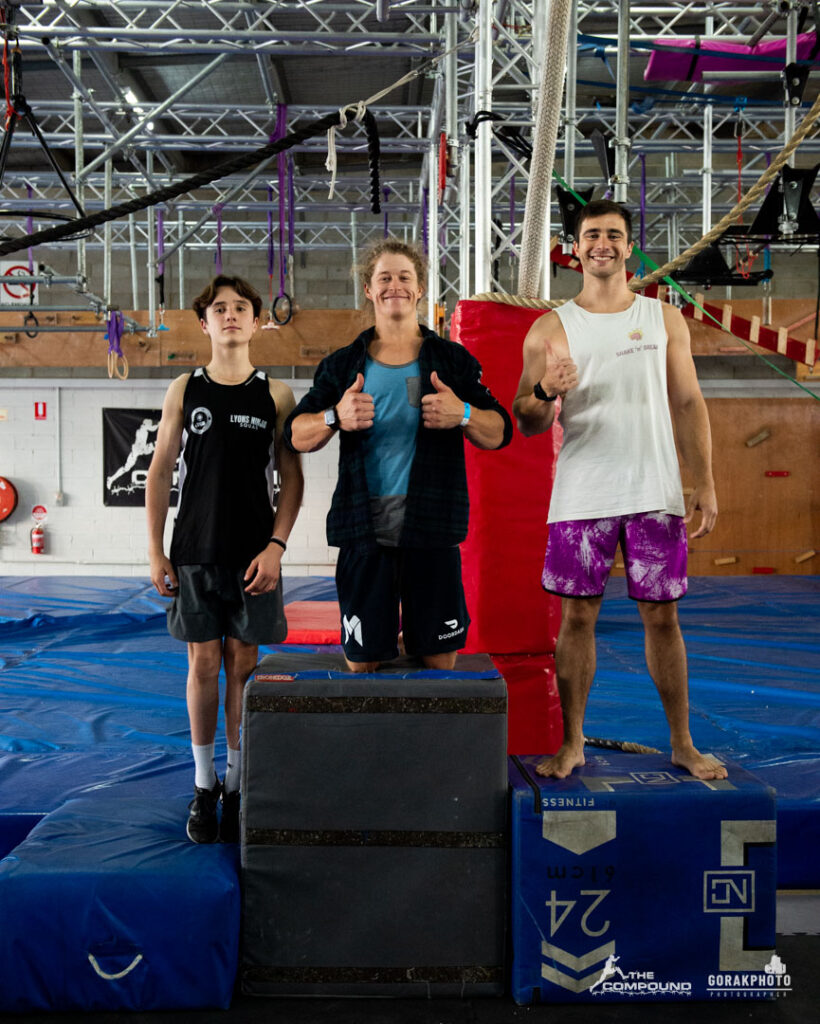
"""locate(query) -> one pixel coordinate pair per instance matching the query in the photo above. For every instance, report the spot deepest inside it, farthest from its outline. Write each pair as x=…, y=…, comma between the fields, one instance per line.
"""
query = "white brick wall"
x=83, y=537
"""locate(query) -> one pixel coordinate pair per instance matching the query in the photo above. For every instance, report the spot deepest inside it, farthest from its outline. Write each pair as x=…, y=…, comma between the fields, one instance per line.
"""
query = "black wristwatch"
x=539, y=392
x=332, y=418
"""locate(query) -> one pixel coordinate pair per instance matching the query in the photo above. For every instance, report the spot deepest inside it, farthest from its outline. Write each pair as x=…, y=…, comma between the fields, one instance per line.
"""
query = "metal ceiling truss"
x=675, y=195
x=159, y=27
x=474, y=233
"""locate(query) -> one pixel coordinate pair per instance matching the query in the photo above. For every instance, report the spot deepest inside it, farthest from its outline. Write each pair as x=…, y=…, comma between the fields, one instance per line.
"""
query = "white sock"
x=204, y=764
x=233, y=771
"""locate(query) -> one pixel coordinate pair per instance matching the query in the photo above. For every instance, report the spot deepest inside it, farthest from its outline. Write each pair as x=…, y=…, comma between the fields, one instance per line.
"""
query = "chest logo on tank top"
x=201, y=419
x=635, y=335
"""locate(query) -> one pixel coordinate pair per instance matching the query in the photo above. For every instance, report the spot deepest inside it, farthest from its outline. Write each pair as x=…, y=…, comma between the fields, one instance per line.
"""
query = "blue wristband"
x=466, y=419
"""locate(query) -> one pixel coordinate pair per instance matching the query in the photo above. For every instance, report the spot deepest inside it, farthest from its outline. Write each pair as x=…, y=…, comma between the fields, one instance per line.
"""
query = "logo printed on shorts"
x=453, y=627
x=201, y=419
x=353, y=628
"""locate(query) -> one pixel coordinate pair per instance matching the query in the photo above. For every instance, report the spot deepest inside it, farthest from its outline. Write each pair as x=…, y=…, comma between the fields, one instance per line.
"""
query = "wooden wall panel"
x=311, y=335
x=763, y=522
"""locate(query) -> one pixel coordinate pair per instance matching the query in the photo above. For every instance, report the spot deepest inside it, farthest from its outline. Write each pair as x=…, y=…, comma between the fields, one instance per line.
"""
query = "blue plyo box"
x=634, y=882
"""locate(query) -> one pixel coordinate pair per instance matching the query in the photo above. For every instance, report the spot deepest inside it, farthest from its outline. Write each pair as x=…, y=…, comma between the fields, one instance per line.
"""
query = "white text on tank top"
x=618, y=455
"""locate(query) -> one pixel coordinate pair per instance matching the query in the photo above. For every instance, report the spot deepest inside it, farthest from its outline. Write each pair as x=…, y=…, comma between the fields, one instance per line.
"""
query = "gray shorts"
x=211, y=603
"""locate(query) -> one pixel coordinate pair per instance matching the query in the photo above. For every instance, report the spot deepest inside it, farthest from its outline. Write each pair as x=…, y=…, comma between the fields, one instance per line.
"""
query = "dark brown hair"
x=600, y=208
x=239, y=285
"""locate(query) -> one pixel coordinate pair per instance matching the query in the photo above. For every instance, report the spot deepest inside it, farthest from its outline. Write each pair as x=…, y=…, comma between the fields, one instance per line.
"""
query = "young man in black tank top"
x=225, y=422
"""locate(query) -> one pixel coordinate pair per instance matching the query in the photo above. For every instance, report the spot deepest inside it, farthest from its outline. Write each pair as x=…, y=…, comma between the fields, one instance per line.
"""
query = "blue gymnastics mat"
x=92, y=693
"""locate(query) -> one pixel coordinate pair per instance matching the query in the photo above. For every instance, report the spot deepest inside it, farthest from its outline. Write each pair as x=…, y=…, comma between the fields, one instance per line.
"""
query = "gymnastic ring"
x=28, y=318
x=117, y=366
x=282, y=309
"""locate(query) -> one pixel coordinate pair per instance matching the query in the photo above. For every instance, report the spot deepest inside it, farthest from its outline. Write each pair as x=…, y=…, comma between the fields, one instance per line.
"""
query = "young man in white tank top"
x=622, y=366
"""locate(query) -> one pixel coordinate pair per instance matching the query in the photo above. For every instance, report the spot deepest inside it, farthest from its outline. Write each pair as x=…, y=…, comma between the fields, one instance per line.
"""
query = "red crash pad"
x=313, y=622
x=503, y=554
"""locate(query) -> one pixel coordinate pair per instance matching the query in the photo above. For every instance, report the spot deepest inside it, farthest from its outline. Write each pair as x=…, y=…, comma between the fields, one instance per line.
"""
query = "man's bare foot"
x=361, y=666
x=702, y=766
x=561, y=764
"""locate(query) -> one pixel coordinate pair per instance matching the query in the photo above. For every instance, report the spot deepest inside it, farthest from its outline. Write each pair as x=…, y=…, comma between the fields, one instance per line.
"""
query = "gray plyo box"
x=373, y=829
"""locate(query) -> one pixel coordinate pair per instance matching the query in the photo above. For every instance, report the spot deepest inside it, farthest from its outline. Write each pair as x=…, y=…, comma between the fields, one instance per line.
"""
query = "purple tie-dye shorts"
x=580, y=553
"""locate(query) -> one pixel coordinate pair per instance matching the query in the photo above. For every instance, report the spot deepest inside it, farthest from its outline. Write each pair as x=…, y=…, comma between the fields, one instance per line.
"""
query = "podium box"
x=633, y=881
x=373, y=829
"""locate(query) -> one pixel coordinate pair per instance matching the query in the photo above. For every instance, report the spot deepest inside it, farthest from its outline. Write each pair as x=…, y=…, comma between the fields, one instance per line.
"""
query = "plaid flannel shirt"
x=437, y=506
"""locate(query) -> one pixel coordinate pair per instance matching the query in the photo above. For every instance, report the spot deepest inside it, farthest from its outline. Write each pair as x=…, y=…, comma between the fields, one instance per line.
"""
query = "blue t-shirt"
x=390, y=444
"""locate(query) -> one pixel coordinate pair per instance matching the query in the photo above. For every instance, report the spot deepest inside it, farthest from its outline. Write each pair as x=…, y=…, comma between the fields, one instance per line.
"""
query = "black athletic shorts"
x=375, y=582
x=211, y=603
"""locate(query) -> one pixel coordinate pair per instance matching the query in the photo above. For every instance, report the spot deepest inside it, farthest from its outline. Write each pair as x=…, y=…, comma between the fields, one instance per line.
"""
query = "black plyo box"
x=373, y=829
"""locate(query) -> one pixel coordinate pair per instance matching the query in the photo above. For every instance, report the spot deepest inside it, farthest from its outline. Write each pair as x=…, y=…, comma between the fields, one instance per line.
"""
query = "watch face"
x=330, y=417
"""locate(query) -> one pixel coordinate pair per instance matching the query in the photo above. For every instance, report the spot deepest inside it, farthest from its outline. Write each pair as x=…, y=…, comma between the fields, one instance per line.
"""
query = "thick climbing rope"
x=626, y=745
x=547, y=121
x=662, y=273
x=754, y=193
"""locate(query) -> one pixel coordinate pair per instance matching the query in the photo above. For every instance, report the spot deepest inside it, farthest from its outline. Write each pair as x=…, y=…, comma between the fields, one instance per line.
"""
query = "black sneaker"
x=229, y=826
x=203, y=826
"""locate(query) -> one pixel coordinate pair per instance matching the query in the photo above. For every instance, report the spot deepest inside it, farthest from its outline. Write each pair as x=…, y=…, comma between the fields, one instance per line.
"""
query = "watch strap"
x=541, y=394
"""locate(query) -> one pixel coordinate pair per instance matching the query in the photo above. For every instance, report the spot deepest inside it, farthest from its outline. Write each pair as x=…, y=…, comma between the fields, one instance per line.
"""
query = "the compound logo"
x=353, y=628
x=773, y=980
x=201, y=419
x=453, y=627
x=636, y=983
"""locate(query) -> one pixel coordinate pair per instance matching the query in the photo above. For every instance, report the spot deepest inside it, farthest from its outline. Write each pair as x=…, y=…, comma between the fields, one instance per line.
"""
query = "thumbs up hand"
x=442, y=409
x=355, y=410
x=560, y=376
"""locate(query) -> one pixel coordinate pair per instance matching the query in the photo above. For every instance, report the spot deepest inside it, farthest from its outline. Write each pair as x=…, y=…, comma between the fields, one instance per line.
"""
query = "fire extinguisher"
x=38, y=540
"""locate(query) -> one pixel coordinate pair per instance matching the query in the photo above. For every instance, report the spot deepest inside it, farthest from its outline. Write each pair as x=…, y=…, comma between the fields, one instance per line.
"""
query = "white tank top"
x=618, y=455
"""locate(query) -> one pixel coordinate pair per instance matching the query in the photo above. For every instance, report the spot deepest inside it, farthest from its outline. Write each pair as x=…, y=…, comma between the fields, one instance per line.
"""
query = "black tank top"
x=225, y=514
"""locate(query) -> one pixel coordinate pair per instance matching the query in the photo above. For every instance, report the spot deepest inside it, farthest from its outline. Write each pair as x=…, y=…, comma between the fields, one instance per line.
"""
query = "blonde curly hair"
x=366, y=266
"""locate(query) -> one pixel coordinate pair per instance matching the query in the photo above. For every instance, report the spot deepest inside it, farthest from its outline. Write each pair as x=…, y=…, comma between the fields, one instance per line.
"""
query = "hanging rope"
x=271, y=250
x=386, y=194
x=217, y=211
x=754, y=193
x=282, y=305
x=547, y=121
x=642, y=233
x=626, y=745
x=425, y=240
x=160, y=278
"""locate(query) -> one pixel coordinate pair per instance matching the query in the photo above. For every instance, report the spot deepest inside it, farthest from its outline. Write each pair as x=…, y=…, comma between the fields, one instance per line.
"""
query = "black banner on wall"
x=129, y=438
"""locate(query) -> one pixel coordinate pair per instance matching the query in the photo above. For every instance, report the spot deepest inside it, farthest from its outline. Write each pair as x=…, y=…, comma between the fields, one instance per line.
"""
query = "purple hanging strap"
x=291, y=205
x=281, y=167
x=271, y=254
x=117, y=363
